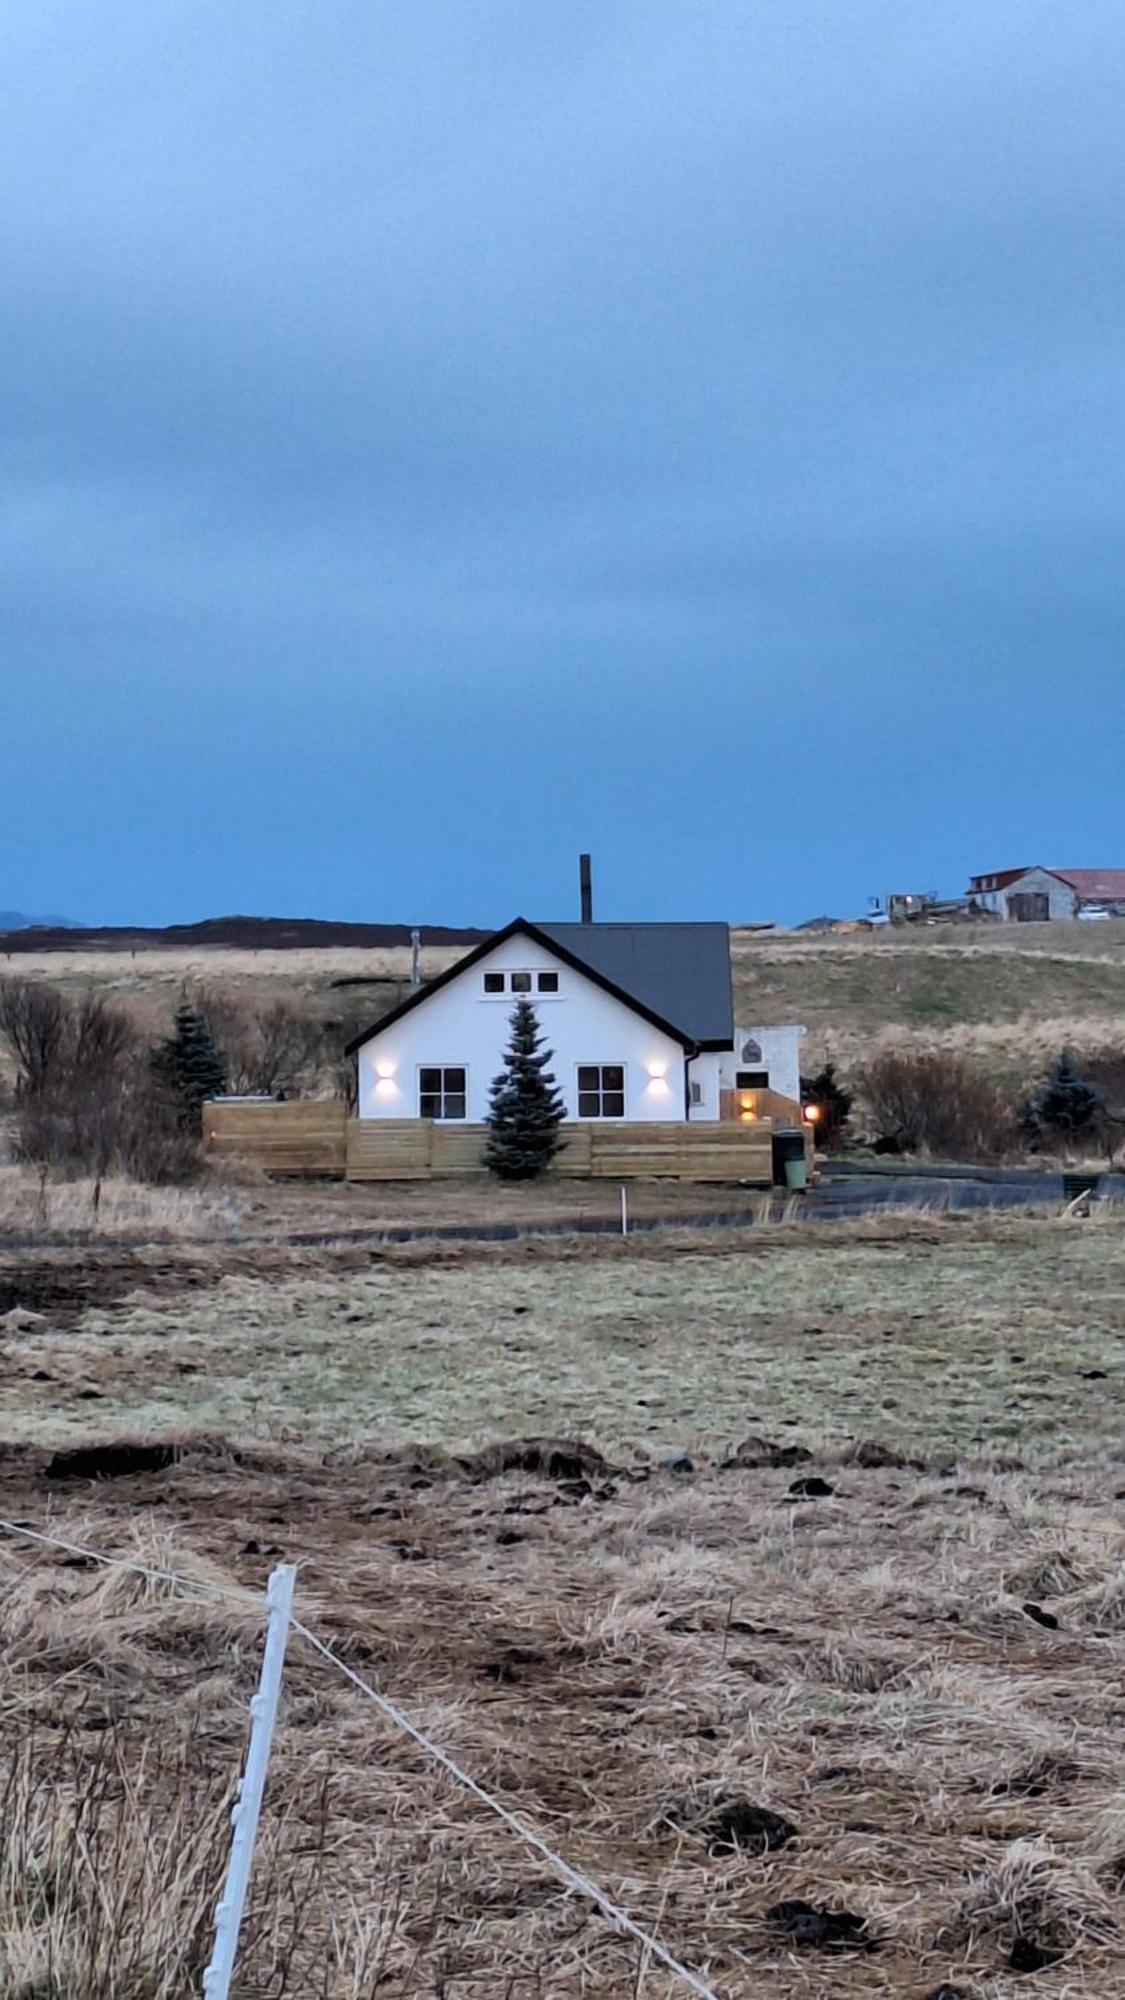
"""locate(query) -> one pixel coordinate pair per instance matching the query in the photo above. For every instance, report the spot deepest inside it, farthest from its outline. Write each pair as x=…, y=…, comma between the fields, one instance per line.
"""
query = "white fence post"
x=624, y=1211
x=247, y=1811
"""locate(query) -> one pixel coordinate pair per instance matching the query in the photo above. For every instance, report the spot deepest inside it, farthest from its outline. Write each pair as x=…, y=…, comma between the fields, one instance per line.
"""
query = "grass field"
x=623, y=1651
x=1012, y=991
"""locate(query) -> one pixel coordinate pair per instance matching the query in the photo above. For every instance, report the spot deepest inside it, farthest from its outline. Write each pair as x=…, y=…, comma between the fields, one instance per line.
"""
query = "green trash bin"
x=790, y=1164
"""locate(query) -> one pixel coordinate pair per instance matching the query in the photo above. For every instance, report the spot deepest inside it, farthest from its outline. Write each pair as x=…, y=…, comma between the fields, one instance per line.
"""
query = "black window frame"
x=593, y=1098
x=440, y=1096
x=752, y=1079
x=553, y=982
x=494, y=982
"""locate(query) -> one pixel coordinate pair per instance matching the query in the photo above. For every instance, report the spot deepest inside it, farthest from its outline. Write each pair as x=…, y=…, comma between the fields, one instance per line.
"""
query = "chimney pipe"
x=586, y=888
x=415, y=960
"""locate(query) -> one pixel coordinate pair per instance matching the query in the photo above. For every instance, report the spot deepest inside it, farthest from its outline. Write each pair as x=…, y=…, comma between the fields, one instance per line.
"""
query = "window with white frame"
x=442, y=1091
x=521, y=982
x=601, y=1090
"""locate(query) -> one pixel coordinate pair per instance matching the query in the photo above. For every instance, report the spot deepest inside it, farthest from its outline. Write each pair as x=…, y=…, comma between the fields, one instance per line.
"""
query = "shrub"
x=267, y=1052
x=933, y=1102
x=84, y=1099
x=1065, y=1105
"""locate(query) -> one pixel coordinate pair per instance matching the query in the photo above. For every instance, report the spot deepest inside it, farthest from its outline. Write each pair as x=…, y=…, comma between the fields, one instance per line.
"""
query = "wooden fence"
x=306, y=1137
x=315, y=1138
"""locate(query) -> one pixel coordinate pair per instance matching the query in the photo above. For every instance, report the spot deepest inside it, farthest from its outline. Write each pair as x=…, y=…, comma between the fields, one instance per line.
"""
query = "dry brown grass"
x=616, y=1655
x=36, y=1207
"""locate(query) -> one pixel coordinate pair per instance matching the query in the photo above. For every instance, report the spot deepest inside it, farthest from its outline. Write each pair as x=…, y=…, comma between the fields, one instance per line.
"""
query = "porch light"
x=812, y=1113
x=385, y=1067
x=657, y=1070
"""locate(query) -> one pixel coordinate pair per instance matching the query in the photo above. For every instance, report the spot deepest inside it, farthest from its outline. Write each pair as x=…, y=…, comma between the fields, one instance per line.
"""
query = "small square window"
x=548, y=982
x=494, y=982
x=442, y=1091
x=696, y=1093
x=601, y=1090
x=521, y=982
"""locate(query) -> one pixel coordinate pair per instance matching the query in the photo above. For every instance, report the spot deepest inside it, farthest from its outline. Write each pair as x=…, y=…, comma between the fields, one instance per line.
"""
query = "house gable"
x=543, y=941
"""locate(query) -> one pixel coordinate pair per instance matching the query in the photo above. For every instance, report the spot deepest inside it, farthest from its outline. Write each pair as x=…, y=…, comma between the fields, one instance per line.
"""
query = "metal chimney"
x=586, y=888
x=415, y=957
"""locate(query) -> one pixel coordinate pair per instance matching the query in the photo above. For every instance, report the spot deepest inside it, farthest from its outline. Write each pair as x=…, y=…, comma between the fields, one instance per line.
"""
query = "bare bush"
x=270, y=1051
x=35, y=1024
x=85, y=1100
x=929, y=1101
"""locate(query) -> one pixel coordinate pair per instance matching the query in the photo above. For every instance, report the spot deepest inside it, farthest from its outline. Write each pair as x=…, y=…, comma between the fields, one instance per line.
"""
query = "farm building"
x=1038, y=895
x=639, y=1016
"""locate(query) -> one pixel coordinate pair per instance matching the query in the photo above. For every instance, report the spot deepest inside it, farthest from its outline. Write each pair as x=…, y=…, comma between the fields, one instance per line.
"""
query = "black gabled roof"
x=652, y=968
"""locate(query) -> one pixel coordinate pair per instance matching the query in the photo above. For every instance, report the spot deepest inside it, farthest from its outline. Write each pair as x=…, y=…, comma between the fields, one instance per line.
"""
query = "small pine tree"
x=525, y=1109
x=1064, y=1102
x=833, y=1102
x=189, y=1065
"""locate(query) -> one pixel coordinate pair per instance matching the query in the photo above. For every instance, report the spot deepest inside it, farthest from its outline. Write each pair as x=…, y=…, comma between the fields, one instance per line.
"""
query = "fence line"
x=573, y=1878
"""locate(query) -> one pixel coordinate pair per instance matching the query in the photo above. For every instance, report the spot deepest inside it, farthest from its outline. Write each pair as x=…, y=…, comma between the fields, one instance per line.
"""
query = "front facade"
x=1044, y=895
x=664, y=1049
x=438, y=1059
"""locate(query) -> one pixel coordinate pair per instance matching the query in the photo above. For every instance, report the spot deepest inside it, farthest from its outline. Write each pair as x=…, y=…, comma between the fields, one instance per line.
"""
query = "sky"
x=438, y=437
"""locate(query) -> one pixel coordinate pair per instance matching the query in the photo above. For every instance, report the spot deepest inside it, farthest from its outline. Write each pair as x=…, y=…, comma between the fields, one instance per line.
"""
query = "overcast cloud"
x=440, y=436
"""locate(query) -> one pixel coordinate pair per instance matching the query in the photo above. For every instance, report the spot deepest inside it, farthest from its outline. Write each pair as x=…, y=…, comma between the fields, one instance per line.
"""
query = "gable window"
x=751, y=1051
x=494, y=982
x=521, y=982
x=547, y=982
x=601, y=1090
x=441, y=1091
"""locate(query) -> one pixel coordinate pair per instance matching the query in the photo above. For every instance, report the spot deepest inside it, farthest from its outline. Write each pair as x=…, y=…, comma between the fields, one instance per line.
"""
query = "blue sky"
x=439, y=437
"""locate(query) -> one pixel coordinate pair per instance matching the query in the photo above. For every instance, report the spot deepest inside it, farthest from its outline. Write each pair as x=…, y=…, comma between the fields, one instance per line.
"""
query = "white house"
x=639, y=1017
x=1041, y=895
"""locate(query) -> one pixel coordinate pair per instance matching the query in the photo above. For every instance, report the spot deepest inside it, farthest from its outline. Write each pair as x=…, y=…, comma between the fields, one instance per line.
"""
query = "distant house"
x=639, y=1016
x=1039, y=895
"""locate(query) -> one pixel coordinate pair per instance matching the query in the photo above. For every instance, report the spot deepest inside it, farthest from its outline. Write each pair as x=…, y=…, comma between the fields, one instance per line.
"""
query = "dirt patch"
x=110, y=1461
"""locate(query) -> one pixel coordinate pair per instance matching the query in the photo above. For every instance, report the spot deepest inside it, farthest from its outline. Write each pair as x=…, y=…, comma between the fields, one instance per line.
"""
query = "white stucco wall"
x=781, y=1057
x=462, y=1024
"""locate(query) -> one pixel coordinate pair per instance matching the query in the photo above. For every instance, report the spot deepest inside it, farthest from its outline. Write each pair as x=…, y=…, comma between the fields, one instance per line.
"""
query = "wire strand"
x=574, y=1879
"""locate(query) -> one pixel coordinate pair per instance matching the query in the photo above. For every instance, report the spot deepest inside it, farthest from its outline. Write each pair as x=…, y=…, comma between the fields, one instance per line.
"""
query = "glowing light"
x=747, y=1117
x=385, y=1066
x=812, y=1113
x=657, y=1070
x=386, y=1087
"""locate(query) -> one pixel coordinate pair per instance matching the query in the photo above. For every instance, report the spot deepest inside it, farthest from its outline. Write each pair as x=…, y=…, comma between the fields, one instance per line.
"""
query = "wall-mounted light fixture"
x=385, y=1066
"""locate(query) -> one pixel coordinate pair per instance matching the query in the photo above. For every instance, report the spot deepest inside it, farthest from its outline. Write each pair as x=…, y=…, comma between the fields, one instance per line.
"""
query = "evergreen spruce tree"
x=190, y=1065
x=1064, y=1102
x=525, y=1109
x=834, y=1104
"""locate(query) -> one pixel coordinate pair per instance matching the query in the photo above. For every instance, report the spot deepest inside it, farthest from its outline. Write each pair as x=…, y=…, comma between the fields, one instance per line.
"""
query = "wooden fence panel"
x=305, y=1137
x=389, y=1149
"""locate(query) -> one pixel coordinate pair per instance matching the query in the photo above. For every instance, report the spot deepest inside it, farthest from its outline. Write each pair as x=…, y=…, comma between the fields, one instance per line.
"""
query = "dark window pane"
x=548, y=982
x=494, y=982
x=521, y=982
x=613, y=1077
x=589, y=1076
x=589, y=1104
x=613, y=1104
x=454, y=1104
x=455, y=1079
x=429, y=1105
x=752, y=1079
x=429, y=1079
